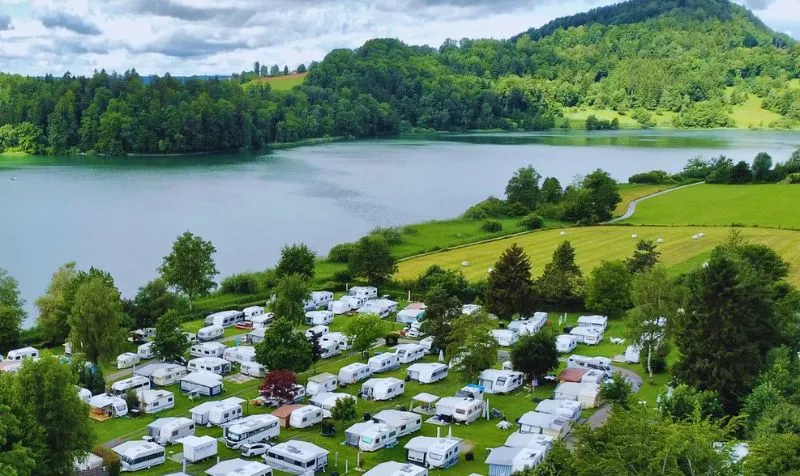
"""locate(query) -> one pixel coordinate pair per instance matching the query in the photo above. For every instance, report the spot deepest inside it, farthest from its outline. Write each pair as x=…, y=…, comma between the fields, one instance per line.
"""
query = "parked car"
x=254, y=449
x=244, y=325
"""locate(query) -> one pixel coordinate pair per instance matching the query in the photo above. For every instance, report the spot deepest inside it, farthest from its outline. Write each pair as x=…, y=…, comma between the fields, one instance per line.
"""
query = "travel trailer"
x=127, y=359
x=570, y=409
x=529, y=325
x=404, y=422
x=393, y=468
x=506, y=461
x=262, y=320
x=381, y=307
x=154, y=401
x=324, y=382
x=191, y=337
x=207, y=349
x=240, y=354
x=337, y=338
x=210, y=364
x=141, y=335
x=459, y=409
x=297, y=457
x=321, y=298
x=328, y=349
x=319, y=318
x=145, y=351
x=596, y=322
x=587, y=335
x=108, y=406
x=253, y=369
x=586, y=393
x=407, y=316
x=352, y=373
x=256, y=336
x=427, y=344
x=355, y=302
x=470, y=309
x=252, y=311
x=565, y=343
x=136, y=455
x=548, y=424
x=166, y=431
x=384, y=362
x=632, y=353
x=528, y=440
x=251, y=429
x=433, y=452
x=602, y=364
x=327, y=400
x=210, y=333
x=161, y=373
x=427, y=373
x=382, y=388
x=224, y=318
x=500, y=381
x=135, y=383
x=218, y=412
x=407, y=353
x=84, y=393
x=339, y=307
x=504, y=337
x=352, y=435
x=377, y=437
x=471, y=391
x=317, y=331
x=363, y=292
x=239, y=467
x=306, y=417
x=202, y=383
x=198, y=448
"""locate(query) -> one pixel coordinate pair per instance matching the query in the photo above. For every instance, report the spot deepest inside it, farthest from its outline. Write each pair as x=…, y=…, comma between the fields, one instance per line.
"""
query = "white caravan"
x=84, y=393
x=319, y=331
x=237, y=467
x=327, y=400
x=127, y=359
x=20, y=354
x=319, y=318
x=154, y=401
x=433, y=452
x=596, y=322
x=218, y=412
x=471, y=390
x=263, y=320
x=328, y=349
x=570, y=409
x=306, y=417
x=108, y=405
x=355, y=302
x=407, y=353
x=321, y=298
x=459, y=409
x=408, y=316
x=191, y=337
x=240, y=354
x=251, y=429
x=166, y=431
x=297, y=457
x=324, y=382
x=530, y=325
x=427, y=373
x=381, y=307
x=382, y=388
x=210, y=364
x=352, y=373
x=500, y=381
x=586, y=393
x=339, y=338
x=207, y=349
x=393, y=468
x=555, y=426
x=224, y=318
x=364, y=292
x=137, y=455
x=145, y=351
x=470, y=309
x=198, y=448
x=383, y=362
x=352, y=435
x=253, y=369
x=505, y=460
x=565, y=343
x=427, y=344
x=135, y=383
x=377, y=437
x=161, y=373
x=202, y=383
x=210, y=333
x=404, y=422
x=339, y=307
x=587, y=335
x=504, y=337
x=528, y=440
x=602, y=364
x=252, y=311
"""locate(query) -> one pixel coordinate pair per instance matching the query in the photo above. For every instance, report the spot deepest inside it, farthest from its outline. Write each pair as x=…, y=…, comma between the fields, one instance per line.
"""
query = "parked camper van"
x=137, y=455
x=565, y=343
x=127, y=359
x=135, y=383
x=382, y=388
x=501, y=381
x=427, y=373
x=459, y=409
x=305, y=417
x=377, y=437
x=243, y=353
x=404, y=422
x=384, y=362
x=207, y=349
x=154, y=401
x=407, y=353
x=319, y=318
x=224, y=318
x=352, y=373
x=217, y=412
x=602, y=364
x=210, y=333
x=587, y=335
x=166, y=431
x=253, y=369
x=145, y=351
x=364, y=292
x=251, y=429
x=324, y=382
x=297, y=457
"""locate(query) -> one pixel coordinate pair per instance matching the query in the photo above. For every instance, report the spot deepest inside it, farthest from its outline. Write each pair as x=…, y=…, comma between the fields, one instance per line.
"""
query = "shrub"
x=410, y=230
x=552, y=211
x=491, y=226
x=792, y=178
x=517, y=209
x=242, y=283
x=342, y=276
x=656, y=177
x=341, y=253
x=268, y=279
x=391, y=235
x=492, y=207
x=532, y=222
x=110, y=459
x=391, y=340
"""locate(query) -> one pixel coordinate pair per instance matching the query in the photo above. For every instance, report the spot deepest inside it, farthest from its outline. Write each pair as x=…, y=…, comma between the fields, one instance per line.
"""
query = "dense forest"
x=694, y=58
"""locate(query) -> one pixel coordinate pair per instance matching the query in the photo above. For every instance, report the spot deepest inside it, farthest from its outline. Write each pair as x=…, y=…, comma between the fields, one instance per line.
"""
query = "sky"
x=186, y=37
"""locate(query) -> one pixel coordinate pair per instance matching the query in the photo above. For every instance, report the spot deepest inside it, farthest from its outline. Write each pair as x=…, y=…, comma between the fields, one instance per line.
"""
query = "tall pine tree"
x=510, y=286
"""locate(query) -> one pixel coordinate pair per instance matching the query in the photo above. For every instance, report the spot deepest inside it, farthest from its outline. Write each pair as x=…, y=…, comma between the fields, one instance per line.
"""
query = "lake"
x=122, y=214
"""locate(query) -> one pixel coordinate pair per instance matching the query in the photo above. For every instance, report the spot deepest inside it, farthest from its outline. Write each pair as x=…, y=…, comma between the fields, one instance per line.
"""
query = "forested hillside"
x=695, y=59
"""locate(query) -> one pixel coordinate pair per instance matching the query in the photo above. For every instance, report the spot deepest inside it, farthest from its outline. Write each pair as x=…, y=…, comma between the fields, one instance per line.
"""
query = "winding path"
x=632, y=206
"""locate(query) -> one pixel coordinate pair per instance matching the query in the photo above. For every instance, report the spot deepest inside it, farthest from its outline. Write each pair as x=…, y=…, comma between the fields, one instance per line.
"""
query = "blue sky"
x=223, y=36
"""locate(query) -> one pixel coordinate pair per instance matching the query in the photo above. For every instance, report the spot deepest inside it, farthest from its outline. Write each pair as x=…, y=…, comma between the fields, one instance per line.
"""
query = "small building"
x=433, y=452
x=500, y=381
x=393, y=468
x=570, y=409
x=202, y=383
x=239, y=467
x=284, y=413
x=405, y=422
x=505, y=461
x=154, y=401
x=555, y=426
x=217, y=412
x=297, y=457
x=382, y=388
x=528, y=440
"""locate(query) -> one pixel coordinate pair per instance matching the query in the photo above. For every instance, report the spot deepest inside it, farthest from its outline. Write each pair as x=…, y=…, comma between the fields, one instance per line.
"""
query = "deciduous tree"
x=296, y=259
x=535, y=355
x=11, y=312
x=510, y=286
x=151, y=302
x=644, y=258
x=762, y=167
x=470, y=346
x=344, y=409
x=170, y=343
x=291, y=293
x=523, y=188
x=280, y=385
x=55, y=305
x=190, y=267
x=283, y=348
x=372, y=260
x=364, y=329
x=608, y=289
x=95, y=320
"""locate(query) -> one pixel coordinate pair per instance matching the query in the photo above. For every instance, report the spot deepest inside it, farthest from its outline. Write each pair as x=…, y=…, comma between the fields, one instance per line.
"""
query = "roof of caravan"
x=491, y=374
x=354, y=366
x=148, y=396
x=129, y=381
x=550, y=406
x=584, y=331
x=410, y=347
x=384, y=356
x=593, y=319
x=224, y=313
x=564, y=338
x=215, y=345
x=203, y=377
x=361, y=426
x=393, y=468
x=323, y=377
x=425, y=365
x=209, y=361
x=542, y=420
x=519, y=440
x=426, y=397
x=236, y=466
x=206, y=406
x=505, y=456
x=327, y=397
x=574, y=388
x=158, y=423
x=193, y=440
x=395, y=417
x=134, y=448
x=298, y=447
x=149, y=369
x=374, y=382
x=103, y=400
x=415, y=306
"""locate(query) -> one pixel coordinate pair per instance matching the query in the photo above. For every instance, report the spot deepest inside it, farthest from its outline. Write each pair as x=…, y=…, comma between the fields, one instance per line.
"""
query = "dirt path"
x=632, y=206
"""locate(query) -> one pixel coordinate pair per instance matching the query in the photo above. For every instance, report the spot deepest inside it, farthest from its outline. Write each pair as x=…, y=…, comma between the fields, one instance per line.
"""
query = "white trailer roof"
x=203, y=377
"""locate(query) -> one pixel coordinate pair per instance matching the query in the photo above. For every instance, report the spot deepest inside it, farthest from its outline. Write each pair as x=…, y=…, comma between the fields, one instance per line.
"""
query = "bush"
x=532, y=222
x=342, y=276
x=517, y=209
x=391, y=340
x=491, y=226
x=391, y=235
x=341, y=253
x=656, y=177
x=658, y=360
x=552, y=211
x=792, y=178
x=492, y=207
x=268, y=279
x=242, y=283
x=110, y=459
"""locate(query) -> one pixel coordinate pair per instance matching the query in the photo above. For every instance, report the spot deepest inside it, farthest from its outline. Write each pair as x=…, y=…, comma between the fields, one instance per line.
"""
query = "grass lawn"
x=278, y=83
x=577, y=118
x=632, y=191
x=595, y=244
x=772, y=205
x=750, y=114
x=442, y=234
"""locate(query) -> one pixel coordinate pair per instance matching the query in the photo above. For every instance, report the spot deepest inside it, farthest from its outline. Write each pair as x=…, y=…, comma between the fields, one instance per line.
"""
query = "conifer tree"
x=510, y=286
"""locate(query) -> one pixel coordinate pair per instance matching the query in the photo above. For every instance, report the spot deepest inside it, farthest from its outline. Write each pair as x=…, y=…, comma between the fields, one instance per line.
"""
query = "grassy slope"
x=632, y=191
x=278, y=83
x=749, y=205
x=577, y=118
x=750, y=114
x=594, y=244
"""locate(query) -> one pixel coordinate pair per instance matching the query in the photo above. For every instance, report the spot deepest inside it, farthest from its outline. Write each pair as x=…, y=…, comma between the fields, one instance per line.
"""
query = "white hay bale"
x=701, y=235
x=660, y=240
x=465, y=263
x=490, y=270
x=563, y=233
x=695, y=237
x=634, y=236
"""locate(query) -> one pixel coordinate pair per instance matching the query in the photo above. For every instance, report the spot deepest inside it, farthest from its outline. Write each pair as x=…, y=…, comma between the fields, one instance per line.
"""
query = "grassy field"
x=750, y=114
x=577, y=118
x=278, y=83
x=632, y=191
x=594, y=244
x=748, y=205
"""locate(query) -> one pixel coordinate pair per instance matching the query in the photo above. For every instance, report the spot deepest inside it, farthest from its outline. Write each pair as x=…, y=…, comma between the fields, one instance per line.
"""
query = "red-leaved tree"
x=280, y=385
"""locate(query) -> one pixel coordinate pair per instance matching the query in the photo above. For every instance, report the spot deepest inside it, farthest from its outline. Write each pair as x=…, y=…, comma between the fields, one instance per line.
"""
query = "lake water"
x=122, y=214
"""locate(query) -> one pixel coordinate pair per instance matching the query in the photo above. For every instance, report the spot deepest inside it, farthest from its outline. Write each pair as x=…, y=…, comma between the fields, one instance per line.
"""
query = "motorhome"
x=363, y=292
x=210, y=333
x=240, y=354
x=166, y=431
x=501, y=381
x=127, y=359
x=154, y=401
x=407, y=353
x=218, y=412
x=319, y=318
x=504, y=337
x=393, y=468
x=384, y=362
x=565, y=343
x=404, y=422
x=507, y=461
x=530, y=325
x=251, y=429
x=555, y=426
x=106, y=406
x=433, y=452
x=239, y=467
x=135, y=383
x=339, y=307
x=84, y=393
x=207, y=349
x=252, y=369
x=224, y=318
x=210, y=364
x=306, y=417
x=459, y=409
x=324, y=382
x=321, y=298
x=596, y=322
x=587, y=335
x=352, y=373
x=381, y=307
x=145, y=351
x=382, y=388
x=139, y=454
x=202, y=383
x=327, y=400
x=297, y=457
x=407, y=316
x=570, y=409
x=427, y=373
x=377, y=437
x=602, y=364
x=262, y=320
x=316, y=331
x=198, y=448
x=252, y=311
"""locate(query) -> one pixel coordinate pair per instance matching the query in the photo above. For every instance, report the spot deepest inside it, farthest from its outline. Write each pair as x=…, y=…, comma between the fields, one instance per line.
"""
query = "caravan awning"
x=427, y=398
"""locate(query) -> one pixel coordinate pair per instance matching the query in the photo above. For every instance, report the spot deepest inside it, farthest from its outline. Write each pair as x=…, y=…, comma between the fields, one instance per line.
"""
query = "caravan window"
x=501, y=381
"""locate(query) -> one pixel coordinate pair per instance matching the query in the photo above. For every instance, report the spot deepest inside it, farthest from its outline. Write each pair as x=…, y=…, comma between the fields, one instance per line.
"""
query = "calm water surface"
x=122, y=214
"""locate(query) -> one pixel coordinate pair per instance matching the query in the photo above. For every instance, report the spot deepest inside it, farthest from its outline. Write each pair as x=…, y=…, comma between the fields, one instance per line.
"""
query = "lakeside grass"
x=751, y=115
x=769, y=205
x=278, y=83
x=632, y=191
x=577, y=118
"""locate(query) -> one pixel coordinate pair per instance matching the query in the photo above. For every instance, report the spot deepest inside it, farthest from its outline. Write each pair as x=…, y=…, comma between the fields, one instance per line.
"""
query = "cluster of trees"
x=594, y=124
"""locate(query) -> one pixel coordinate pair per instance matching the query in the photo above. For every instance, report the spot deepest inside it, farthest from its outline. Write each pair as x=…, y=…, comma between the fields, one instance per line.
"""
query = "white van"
x=207, y=349
x=135, y=383
x=602, y=364
x=407, y=353
x=319, y=318
x=23, y=353
x=383, y=362
x=324, y=382
x=305, y=417
x=352, y=373
x=210, y=333
x=253, y=369
x=251, y=429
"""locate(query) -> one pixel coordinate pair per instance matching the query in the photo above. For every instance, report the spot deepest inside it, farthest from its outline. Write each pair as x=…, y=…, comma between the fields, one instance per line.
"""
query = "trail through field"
x=632, y=206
